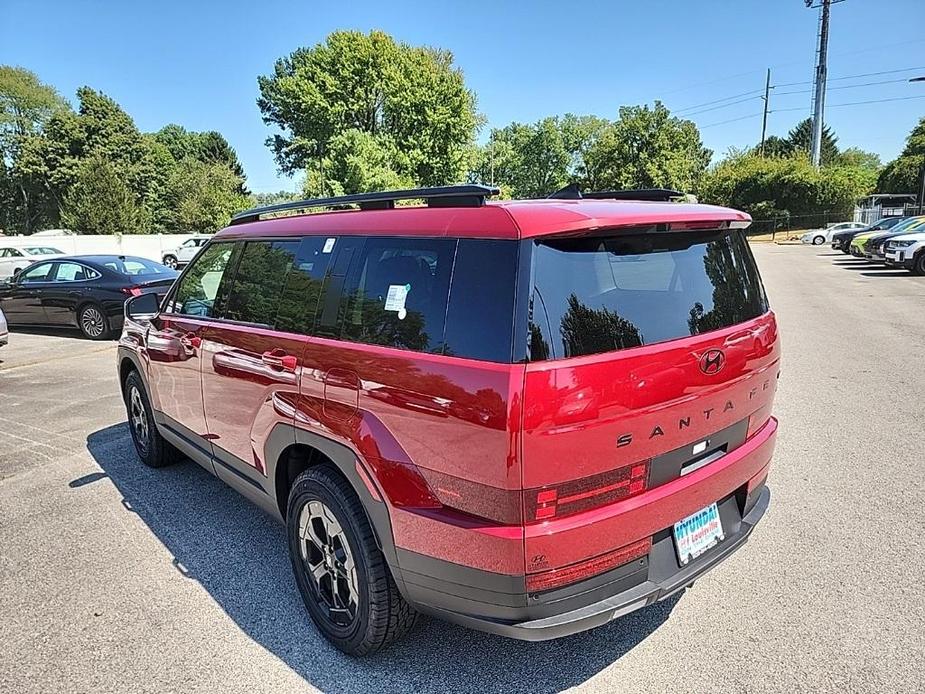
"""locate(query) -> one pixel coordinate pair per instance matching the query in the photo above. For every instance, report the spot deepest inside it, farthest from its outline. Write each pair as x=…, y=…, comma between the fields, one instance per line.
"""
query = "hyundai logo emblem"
x=712, y=361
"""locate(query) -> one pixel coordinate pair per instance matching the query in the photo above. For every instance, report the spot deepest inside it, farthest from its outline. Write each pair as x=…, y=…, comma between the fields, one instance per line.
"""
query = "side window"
x=74, y=272
x=10, y=253
x=195, y=296
x=261, y=275
x=39, y=273
x=302, y=293
x=398, y=294
x=480, y=317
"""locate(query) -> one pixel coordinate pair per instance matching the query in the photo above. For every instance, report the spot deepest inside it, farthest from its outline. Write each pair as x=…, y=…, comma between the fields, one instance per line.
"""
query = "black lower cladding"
x=500, y=604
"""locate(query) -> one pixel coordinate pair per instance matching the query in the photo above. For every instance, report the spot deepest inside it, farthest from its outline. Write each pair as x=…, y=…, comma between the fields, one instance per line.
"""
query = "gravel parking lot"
x=115, y=577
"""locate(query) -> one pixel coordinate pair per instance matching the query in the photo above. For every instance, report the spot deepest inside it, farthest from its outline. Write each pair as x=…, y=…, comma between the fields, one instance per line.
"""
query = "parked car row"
x=898, y=242
x=86, y=292
x=817, y=237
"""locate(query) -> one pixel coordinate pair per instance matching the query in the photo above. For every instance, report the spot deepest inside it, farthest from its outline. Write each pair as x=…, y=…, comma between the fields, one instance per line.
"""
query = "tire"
x=918, y=264
x=818, y=240
x=150, y=446
x=92, y=321
x=329, y=532
x=170, y=261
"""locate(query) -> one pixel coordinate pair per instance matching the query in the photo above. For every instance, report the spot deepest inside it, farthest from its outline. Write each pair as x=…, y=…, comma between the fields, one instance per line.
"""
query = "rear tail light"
x=589, y=492
x=547, y=580
x=131, y=291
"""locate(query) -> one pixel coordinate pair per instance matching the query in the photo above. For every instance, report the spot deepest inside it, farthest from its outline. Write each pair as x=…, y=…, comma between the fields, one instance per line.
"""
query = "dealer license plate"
x=697, y=533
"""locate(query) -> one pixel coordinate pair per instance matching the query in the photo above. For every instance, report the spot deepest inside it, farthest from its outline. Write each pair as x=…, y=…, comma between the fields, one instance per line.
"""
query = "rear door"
x=62, y=296
x=648, y=349
x=253, y=356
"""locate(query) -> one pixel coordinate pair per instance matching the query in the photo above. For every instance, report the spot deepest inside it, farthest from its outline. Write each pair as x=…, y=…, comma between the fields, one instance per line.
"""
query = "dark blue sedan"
x=86, y=291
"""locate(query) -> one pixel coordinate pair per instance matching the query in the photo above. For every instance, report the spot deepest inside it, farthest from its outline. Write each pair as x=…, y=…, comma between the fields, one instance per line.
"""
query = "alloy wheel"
x=328, y=563
x=139, y=419
x=92, y=322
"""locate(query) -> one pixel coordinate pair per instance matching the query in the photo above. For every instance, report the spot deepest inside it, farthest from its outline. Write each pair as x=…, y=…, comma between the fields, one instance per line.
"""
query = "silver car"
x=4, y=331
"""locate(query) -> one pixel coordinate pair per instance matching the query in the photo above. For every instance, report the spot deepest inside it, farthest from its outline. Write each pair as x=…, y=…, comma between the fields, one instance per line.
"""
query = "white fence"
x=151, y=246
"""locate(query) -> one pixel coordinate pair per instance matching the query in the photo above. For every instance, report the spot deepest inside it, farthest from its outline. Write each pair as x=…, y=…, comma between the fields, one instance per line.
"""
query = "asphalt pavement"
x=117, y=578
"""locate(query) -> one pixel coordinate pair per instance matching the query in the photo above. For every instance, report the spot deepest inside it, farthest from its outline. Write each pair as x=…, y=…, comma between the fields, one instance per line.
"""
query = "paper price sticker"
x=395, y=299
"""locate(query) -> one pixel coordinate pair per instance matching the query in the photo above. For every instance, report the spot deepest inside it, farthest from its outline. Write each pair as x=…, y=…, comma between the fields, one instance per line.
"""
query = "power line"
x=850, y=77
x=844, y=86
x=721, y=106
x=731, y=120
x=716, y=101
x=854, y=103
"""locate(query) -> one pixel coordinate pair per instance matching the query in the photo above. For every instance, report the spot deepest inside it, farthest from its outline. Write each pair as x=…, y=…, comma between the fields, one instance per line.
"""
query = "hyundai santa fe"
x=526, y=417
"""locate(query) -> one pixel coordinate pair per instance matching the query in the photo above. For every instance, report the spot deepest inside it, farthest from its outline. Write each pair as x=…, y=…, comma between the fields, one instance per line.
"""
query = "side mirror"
x=142, y=307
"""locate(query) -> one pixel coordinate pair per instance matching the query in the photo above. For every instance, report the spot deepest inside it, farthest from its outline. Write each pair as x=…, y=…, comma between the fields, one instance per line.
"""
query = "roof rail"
x=471, y=195
x=573, y=192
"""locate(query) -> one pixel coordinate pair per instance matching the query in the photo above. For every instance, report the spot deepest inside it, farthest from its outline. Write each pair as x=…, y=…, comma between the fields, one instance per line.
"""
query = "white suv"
x=185, y=252
x=907, y=251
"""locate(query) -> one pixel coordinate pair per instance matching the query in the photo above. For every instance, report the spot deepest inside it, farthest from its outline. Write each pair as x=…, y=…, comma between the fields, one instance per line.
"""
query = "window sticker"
x=395, y=299
x=328, y=245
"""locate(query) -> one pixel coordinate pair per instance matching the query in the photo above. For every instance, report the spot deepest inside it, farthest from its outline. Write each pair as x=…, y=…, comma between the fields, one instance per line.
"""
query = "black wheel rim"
x=138, y=420
x=328, y=563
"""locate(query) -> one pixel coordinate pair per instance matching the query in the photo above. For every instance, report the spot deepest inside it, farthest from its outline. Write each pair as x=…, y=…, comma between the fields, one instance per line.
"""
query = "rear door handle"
x=278, y=359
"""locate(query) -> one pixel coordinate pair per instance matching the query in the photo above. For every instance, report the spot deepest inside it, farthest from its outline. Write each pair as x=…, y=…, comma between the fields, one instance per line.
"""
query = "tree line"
x=361, y=112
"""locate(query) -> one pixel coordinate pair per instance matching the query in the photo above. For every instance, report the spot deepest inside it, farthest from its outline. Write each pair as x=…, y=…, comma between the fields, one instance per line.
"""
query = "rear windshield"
x=133, y=267
x=600, y=294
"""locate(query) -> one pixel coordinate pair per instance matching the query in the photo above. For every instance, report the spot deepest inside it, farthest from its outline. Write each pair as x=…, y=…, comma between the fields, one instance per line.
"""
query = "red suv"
x=527, y=417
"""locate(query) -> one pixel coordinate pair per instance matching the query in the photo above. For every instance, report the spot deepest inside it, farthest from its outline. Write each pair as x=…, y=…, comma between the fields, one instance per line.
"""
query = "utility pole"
x=764, y=119
x=821, y=69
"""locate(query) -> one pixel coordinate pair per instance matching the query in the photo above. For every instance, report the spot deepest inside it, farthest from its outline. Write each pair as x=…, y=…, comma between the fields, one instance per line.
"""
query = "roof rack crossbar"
x=573, y=192
x=470, y=195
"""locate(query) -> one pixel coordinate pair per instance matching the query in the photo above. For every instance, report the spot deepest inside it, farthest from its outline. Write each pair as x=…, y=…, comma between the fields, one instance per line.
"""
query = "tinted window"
x=10, y=253
x=196, y=294
x=480, y=317
x=299, y=303
x=74, y=272
x=398, y=293
x=39, y=273
x=261, y=274
x=43, y=250
x=595, y=295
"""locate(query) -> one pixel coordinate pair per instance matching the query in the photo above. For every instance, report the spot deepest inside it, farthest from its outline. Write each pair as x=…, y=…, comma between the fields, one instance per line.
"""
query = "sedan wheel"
x=818, y=240
x=93, y=323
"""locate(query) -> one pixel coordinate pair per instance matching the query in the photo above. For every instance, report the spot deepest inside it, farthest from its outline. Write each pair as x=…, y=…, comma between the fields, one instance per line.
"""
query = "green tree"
x=358, y=161
x=100, y=201
x=648, y=148
x=785, y=186
x=26, y=104
x=855, y=156
x=209, y=147
x=202, y=197
x=531, y=161
x=410, y=100
x=800, y=139
x=904, y=174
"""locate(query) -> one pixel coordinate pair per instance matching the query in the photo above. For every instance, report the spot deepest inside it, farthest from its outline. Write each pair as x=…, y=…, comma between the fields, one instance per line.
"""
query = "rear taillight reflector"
x=588, y=492
x=547, y=580
x=132, y=291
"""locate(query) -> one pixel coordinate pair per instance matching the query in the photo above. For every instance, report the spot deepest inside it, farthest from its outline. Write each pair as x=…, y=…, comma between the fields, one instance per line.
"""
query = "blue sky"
x=195, y=63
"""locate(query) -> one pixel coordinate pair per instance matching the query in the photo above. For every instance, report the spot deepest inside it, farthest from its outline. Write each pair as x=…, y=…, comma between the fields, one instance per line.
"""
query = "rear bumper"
x=552, y=615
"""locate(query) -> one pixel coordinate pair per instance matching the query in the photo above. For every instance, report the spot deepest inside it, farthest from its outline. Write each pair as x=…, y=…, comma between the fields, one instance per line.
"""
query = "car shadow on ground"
x=73, y=333
x=239, y=555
